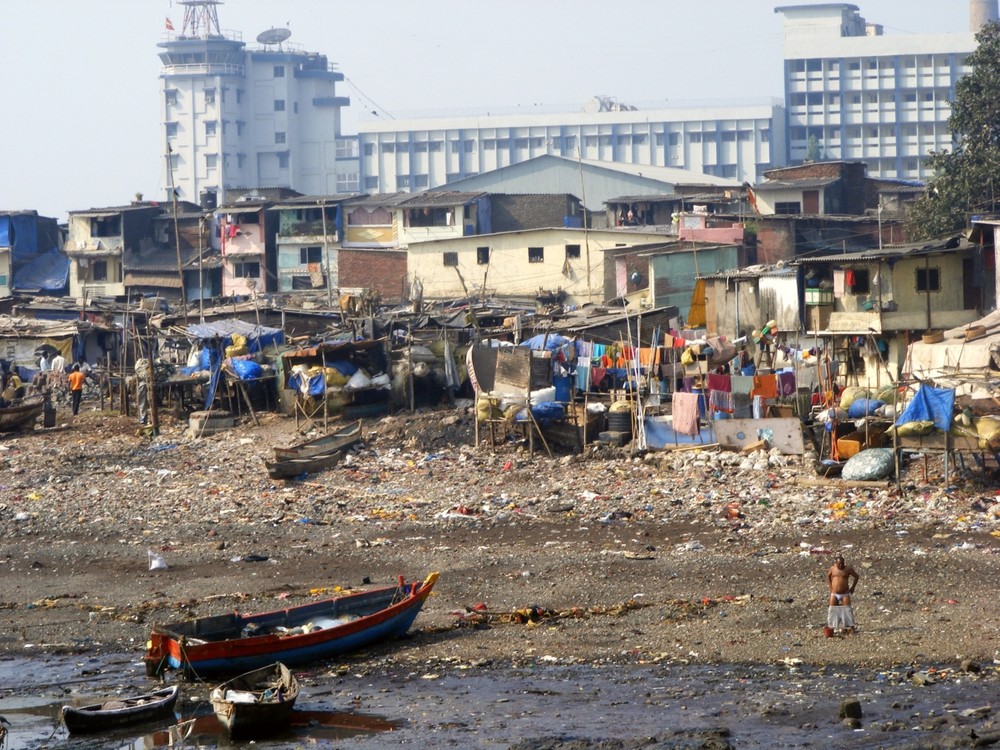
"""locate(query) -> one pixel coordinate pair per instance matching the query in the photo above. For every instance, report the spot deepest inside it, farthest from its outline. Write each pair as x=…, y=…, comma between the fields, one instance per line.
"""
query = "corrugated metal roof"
x=244, y=208
x=897, y=251
x=440, y=199
x=382, y=199
x=754, y=272
x=804, y=184
x=314, y=201
x=664, y=198
x=133, y=278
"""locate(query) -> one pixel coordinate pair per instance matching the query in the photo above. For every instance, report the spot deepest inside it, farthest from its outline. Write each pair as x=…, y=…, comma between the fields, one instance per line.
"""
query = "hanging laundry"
x=765, y=386
x=717, y=382
x=685, y=413
x=741, y=384
x=721, y=401
x=786, y=384
x=838, y=283
x=759, y=404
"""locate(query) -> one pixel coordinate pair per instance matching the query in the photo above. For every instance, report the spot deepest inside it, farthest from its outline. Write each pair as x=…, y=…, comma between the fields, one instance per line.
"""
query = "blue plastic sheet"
x=864, y=407
x=543, y=413
x=549, y=342
x=317, y=384
x=247, y=369
x=930, y=404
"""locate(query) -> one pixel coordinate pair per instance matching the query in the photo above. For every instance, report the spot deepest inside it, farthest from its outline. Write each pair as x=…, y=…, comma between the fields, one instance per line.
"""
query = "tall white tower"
x=233, y=116
x=982, y=12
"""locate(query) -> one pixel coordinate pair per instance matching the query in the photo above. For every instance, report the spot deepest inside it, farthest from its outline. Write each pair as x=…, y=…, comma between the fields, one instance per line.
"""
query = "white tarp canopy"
x=963, y=360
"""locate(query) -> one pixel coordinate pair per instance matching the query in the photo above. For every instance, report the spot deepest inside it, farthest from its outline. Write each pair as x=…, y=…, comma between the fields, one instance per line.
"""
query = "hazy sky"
x=80, y=78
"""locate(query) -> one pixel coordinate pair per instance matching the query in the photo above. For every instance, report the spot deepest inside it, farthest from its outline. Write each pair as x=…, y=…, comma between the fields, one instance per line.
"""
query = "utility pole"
x=177, y=234
x=326, y=254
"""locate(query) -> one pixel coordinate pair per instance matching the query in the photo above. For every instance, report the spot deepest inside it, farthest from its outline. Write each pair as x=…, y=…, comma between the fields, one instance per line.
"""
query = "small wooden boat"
x=257, y=703
x=828, y=468
x=121, y=712
x=295, y=467
x=345, y=437
x=21, y=415
x=232, y=642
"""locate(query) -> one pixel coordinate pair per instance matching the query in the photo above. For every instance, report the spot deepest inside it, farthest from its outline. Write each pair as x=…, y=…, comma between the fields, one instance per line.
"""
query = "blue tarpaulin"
x=549, y=342
x=660, y=433
x=46, y=273
x=317, y=384
x=36, y=259
x=930, y=404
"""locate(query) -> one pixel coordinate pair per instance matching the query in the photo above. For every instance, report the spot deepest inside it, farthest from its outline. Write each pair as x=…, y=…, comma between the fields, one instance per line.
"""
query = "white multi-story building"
x=854, y=93
x=738, y=141
x=238, y=117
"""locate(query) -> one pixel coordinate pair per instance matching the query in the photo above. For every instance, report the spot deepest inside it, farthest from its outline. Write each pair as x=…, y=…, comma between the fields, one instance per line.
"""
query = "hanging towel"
x=721, y=401
x=720, y=383
x=583, y=378
x=786, y=383
x=645, y=356
x=685, y=413
x=759, y=404
x=741, y=383
x=838, y=283
x=765, y=386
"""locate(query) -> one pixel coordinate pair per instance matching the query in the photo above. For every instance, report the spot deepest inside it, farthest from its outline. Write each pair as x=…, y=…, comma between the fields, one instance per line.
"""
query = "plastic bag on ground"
x=869, y=465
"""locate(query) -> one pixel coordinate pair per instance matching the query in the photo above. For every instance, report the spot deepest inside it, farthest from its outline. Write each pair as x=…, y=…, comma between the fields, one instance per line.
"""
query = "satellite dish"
x=273, y=36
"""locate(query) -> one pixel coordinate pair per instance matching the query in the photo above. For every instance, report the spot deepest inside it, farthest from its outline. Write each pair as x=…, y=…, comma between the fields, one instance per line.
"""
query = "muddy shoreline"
x=640, y=563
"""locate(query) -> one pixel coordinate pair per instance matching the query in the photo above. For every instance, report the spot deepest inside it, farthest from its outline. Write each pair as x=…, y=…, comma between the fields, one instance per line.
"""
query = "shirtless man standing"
x=842, y=579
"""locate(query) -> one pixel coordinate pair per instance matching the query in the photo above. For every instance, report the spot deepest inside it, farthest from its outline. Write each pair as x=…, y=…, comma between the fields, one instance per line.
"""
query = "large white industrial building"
x=271, y=117
x=854, y=93
x=737, y=141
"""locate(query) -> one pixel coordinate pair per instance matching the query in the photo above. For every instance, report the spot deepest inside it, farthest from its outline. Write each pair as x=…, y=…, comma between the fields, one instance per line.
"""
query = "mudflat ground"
x=667, y=559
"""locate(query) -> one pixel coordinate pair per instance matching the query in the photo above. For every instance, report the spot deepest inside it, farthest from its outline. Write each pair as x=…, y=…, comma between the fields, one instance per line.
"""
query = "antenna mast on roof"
x=201, y=19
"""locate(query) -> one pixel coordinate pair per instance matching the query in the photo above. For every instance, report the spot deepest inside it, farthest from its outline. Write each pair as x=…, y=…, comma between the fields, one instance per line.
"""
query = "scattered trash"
x=156, y=561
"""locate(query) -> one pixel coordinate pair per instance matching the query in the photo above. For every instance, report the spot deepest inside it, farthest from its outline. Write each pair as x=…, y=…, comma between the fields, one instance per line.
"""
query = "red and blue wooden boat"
x=233, y=643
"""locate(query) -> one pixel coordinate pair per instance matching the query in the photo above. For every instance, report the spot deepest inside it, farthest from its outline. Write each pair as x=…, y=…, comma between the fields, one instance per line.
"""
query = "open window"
x=857, y=281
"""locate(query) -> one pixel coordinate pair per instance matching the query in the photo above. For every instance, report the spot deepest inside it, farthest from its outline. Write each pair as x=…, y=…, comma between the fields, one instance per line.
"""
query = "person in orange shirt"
x=75, y=380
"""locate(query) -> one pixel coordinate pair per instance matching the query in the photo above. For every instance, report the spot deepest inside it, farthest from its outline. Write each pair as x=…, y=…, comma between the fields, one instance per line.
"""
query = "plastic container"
x=564, y=390
x=702, y=399
x=620, y=421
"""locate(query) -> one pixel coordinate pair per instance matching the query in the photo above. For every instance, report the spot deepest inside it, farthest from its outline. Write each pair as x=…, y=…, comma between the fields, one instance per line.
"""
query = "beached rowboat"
x=21, y=415
x=233, y=643
x=121, y=712
x=294, y=467
x=341, y=439
x=257, y=703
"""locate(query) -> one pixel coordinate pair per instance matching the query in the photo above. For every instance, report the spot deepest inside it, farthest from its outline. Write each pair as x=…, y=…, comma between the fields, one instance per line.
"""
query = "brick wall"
x=382, y=270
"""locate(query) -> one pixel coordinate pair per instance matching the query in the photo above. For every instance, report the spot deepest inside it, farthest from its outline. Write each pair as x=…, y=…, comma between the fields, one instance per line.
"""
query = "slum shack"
x=526, y=392
x=336, y=378
x=229, y=364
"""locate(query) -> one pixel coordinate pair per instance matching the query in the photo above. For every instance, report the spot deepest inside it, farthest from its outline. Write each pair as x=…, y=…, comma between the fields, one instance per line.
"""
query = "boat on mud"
x=257, y=703
x=21, y=415
x=232, y=643
x=313, y=455
x=121, y=712
x=338, y=440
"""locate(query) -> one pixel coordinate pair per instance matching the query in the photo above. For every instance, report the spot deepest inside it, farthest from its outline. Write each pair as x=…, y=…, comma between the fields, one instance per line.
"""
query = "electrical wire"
x=369, y=102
